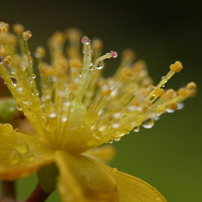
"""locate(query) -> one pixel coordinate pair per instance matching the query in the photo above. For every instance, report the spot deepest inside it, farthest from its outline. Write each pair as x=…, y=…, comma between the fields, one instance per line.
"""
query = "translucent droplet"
x=19, y=108
x=31, y=158
x=114, y=170
x=52, y=115
x=19, y=89
x=136, y=129
x=170, y=110
x=156, y=118
x=110, y=141
x=102, y=128
x=21, y=147
x=14, y=158
x=100, y=65
x=64, y=119
x=149, y=123
x=115, y=125
x=117, y=115
x=117, y=139
x=180, y=106
x=33, y=76
x=7, y=128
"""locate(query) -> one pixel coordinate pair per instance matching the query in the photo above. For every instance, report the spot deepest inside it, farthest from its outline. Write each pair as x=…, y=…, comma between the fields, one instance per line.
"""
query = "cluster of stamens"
x=76, y=108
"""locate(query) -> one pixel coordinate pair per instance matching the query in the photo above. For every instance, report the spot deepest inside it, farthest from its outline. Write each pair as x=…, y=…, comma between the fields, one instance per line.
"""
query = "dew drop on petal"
x=21, y=147
x=14, y=157
x=31, y=158
x=149, y=123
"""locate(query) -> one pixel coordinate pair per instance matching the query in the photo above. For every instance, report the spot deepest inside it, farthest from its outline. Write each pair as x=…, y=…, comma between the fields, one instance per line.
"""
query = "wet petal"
x=104, y=153
x=82, y=180
x=134, y=189
x=21, y=154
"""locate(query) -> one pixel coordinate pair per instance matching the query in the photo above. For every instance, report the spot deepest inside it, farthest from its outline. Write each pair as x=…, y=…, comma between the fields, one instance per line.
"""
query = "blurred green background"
x=168, y=156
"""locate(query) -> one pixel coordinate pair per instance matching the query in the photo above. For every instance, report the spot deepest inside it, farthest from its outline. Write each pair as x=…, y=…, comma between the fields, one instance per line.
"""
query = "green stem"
x=38, y=195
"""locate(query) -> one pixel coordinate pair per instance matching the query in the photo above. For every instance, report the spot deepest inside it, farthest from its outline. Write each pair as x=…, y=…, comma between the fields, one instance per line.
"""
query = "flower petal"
x=82, y=180
x=132, y=189
x=105, y=153
x=21, y=154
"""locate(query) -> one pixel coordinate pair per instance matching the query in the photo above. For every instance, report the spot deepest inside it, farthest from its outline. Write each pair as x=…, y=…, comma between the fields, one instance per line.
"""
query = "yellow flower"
x=75, y=110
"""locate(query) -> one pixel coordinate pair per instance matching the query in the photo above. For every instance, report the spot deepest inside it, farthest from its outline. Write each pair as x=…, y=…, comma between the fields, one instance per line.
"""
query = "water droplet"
x=117, y=139
x=117, y=115
x=100, y=65
x=180, y=106
x=170, y=110
x=102, y=128
x=110, y=141
x=21, y=147
x=157, y=199
x=136, y=129
x=33, y=76
x=115, y=125
x=156, y=118
x=64, y=119
x=114, y=170
x=19, y=89
x=7, y=128
x=31, y=158
x=14, y=157
x=149, y=123
x=19, y=108
x=52, y=115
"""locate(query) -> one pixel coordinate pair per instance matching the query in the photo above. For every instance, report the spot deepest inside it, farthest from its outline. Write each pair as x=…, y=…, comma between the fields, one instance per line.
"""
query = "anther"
x=3, y=27
x=18, y=29
x=26, y=35
x=40, y=52
x=191, y=86
x=176, y=67
x=7, y=60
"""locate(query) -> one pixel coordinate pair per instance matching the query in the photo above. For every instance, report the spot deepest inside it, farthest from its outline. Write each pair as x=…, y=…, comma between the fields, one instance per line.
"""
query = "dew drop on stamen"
x=100, y=65
x=52, y=115
x=115, y=125
x=149, y=123
x=136, y=129
x=180, y=106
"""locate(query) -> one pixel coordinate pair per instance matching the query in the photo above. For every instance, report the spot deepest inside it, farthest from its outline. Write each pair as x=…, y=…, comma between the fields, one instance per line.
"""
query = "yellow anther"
x=3, y=27
x=57, y=38
x=7, y=60
x=73, y=87
x=182, y=92
x=26, y=35
x=97, y=44
x=75, y=63
x=18, y=29
x=128, y=73
x=176, y=67
x=40, y=52
x=173, y=106
x=3, y=52
x=128, y=54
x=158, y=92
x=73, y=34
x=169, y=94
x=191, y=85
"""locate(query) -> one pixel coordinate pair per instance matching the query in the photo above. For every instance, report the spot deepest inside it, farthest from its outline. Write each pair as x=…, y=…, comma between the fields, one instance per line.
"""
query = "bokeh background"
x=168, y=156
